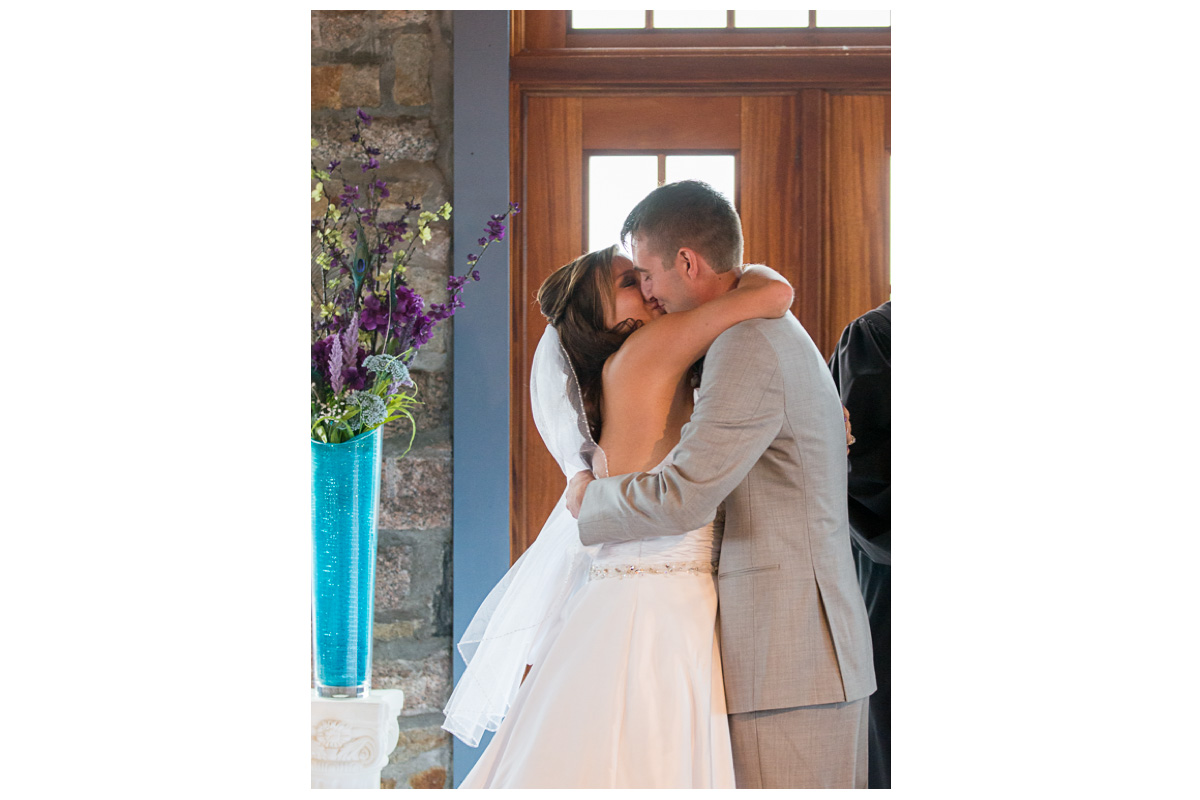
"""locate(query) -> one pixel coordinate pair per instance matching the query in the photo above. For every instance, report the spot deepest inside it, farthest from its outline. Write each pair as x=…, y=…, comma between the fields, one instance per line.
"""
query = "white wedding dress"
x=630, y=694
x=625, y=688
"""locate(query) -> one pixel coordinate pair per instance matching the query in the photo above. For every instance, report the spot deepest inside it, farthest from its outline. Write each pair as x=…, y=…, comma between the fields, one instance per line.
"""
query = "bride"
x=625, y=688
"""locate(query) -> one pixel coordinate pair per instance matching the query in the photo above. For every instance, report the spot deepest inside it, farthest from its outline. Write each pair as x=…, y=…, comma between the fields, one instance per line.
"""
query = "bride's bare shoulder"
x=638, y=351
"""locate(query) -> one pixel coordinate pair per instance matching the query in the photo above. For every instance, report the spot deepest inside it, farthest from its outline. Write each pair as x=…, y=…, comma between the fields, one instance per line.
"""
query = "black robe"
x=862, y=371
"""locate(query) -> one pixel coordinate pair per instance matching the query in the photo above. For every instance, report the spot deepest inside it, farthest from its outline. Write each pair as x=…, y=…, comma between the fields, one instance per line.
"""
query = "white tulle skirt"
x=628, y=696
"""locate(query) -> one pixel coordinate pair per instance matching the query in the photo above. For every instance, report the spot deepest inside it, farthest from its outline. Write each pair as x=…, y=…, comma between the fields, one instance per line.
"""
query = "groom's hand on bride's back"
x=575, y=491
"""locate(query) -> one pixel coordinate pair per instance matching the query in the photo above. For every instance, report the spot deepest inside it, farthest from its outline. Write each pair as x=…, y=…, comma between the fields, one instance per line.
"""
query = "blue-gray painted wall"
x=481, y=330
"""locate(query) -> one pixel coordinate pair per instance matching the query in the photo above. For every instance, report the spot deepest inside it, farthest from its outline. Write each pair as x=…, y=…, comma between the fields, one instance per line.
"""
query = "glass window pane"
x=770, y=19
x=615, y=185
x=674, y=18
x=854, y=19
x=717, y=171
x=608, y=19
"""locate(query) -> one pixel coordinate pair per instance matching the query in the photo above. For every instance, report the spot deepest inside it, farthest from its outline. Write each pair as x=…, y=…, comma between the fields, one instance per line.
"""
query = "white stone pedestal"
x=352, y=739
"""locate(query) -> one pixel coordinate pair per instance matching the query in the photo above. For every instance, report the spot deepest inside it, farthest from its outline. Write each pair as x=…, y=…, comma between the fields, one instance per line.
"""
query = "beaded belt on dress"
x=624, y=570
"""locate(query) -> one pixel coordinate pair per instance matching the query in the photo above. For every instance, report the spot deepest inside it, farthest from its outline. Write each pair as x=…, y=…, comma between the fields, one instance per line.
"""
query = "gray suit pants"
x=810, y=747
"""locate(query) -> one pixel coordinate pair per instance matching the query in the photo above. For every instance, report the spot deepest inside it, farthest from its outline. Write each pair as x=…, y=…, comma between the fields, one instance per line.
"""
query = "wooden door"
x=805, y=208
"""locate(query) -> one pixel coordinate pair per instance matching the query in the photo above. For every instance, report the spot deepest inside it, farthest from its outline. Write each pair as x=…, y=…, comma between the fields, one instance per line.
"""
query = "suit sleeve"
x=738, y=414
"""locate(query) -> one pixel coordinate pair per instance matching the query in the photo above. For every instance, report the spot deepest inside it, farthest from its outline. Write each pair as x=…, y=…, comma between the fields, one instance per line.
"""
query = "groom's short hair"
x=687, y=214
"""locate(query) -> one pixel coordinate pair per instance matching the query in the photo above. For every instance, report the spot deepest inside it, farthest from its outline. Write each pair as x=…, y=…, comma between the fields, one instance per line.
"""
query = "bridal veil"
x=523, y=613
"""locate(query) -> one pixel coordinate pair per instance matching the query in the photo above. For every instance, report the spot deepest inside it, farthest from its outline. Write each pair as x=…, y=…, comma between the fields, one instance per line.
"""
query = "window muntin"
x=735, y=20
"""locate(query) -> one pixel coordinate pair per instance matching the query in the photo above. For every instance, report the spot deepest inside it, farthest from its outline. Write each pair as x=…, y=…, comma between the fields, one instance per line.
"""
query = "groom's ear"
x=688, y=260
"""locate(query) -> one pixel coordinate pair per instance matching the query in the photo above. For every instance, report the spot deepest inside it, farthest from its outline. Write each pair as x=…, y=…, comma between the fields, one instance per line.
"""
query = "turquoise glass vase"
x=345, y=505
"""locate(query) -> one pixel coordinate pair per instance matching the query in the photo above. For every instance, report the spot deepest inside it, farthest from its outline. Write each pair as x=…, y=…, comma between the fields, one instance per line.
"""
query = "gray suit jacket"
x=766, y=437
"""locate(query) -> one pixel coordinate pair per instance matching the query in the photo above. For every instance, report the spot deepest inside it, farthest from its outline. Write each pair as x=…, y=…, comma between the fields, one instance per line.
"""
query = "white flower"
x=372, y=411
x=391, y=365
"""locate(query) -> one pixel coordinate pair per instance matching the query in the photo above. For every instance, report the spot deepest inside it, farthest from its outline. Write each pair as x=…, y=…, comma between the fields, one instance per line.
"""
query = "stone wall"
x=396, y=66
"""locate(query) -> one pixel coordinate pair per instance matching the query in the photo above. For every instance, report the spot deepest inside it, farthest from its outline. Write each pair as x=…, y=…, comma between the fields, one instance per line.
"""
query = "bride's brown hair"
x=573, y=300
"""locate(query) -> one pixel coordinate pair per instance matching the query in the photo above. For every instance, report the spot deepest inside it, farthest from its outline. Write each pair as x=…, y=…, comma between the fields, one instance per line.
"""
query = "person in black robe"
x=862, y=371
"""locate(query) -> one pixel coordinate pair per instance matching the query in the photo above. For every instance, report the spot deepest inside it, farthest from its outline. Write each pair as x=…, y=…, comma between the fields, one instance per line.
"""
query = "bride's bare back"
x=643, y=416
x=647, y=392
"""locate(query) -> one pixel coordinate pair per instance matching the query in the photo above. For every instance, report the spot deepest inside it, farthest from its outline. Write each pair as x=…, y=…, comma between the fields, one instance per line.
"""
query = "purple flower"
x=393, y=230
x=350, y=335
x=422, y=331
x=382, y=188
x=516, y=208
x=335, y=365
x=333, y=165
x=482, y=242
x=342, y=369
x=353, y=373
x=374, y=314
x=354, y=137
x=348, y=196
x=411, y=206
x=320, y=357
x=408, y=306
x=371, y=164
x=365, y=117
x=495, y=230
x=373, y=151
x=475, y=275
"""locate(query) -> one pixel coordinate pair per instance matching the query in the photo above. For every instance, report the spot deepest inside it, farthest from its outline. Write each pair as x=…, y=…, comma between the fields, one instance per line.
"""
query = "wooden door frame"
x=569, y=244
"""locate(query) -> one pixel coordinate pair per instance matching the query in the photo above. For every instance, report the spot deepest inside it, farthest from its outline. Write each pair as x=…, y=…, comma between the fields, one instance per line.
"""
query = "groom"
x=767, y=438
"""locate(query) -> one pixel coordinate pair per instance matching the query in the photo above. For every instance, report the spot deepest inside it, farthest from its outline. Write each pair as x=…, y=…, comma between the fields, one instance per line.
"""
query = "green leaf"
x=412, y=425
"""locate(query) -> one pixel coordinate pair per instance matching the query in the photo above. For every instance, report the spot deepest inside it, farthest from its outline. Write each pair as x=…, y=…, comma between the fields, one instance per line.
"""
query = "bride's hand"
x=575, y=491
